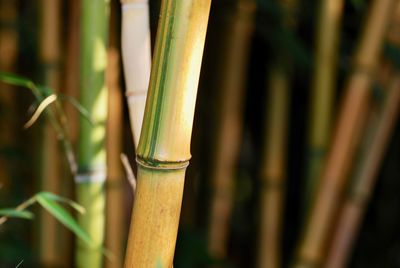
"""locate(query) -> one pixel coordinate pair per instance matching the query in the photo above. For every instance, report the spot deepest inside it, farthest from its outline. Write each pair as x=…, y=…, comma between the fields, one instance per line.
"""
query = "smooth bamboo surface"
x=51, y=234
x=273, y=169
x=237, y=31
x=352, y=113
x=90, y=180
x=354, y=206
x=164, y=148
x=322, y=92
x=136, y=52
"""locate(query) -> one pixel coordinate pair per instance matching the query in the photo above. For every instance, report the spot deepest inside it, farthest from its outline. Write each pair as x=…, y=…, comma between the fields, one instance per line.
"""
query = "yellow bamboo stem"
x=333, y=177
x=238, y=28
x=273, y=169
x=322, y=92
x=164, y=148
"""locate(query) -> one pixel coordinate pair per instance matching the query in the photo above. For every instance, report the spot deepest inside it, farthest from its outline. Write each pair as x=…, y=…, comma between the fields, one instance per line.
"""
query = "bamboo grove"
x=199, y=133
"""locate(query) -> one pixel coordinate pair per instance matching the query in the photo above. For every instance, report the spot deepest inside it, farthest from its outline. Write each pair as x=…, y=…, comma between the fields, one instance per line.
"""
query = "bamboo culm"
x=352, y=113
x=164, y=147
x=90, y=180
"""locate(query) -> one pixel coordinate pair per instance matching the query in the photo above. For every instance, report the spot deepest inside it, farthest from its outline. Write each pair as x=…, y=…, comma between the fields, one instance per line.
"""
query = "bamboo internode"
x=136, y=52
x=350, y=120
x=164, y=147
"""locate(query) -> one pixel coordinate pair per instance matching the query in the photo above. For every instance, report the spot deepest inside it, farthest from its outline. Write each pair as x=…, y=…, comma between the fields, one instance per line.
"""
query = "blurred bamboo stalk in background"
x=273, y=168
x=116, y=229
x=238, y=27
x=51, y=234
x=164, y=147
x=90, y=180
x=273, y=165
x=136, y=52
x=354, y=206
x=322, y=93
x=352, y=113
x=8, y=58
x=376, y=141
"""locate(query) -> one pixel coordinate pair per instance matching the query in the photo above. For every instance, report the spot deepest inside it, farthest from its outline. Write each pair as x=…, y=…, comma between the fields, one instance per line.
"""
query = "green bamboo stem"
x=237, y=31
x=333, y=177
x=273, y=169
x=354, y=206
x=136, y=51
x=90, y=180
x=50, y=232
x=322, y=92
x=164, y=147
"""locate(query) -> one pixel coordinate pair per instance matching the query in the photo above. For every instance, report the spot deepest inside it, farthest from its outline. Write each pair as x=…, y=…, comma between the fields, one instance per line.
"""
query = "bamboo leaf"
x=11, y=212
x=82, y=110
x=16, y=80
x=61, y=199
x=47, y=201
x=42, y=106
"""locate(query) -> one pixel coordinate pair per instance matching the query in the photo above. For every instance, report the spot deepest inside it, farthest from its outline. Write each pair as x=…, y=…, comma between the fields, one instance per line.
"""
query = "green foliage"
x=12, y=213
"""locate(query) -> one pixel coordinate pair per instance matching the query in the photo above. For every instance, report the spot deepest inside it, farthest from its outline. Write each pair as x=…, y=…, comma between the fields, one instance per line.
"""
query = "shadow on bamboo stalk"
x=164, y=147
x=237, y=27
x=90, y=180
x=352, y=113
x=322, y=93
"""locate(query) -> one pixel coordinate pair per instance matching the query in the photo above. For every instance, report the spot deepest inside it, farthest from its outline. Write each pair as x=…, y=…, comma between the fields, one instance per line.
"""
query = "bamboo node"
x=134, y=5
x=156, y=164
x=91, y=176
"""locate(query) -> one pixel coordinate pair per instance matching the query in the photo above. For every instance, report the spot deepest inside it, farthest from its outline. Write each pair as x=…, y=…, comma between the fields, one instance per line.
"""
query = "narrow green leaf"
x=47, y=202
x=11, y=212
x=15, y=80
x=82, y=110
x=58, y=198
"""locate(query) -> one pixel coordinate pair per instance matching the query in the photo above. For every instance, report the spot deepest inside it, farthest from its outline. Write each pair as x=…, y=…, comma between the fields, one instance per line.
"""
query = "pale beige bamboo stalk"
x=333, y=178
x=136, y=52
x=322, y=92
x=273, y=169
x=355, y=204
x=164, y=148
x=50, y=246
x=237, y=27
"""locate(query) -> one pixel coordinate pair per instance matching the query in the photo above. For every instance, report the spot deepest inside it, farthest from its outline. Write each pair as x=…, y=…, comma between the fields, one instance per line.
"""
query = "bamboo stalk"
x=116, y=229
x=8, y=56
x=273, y=169
x=355, y=102
x=50, y=247
x=164, y=147
x=136, y=52
x=322, y=92
x=238, y=28
x=356, y=202
x=90, y=180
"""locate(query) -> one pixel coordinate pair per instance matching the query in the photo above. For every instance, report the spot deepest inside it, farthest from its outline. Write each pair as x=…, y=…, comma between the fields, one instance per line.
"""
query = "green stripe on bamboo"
x=164, y=147
x=348, y=128
x=91, y=175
